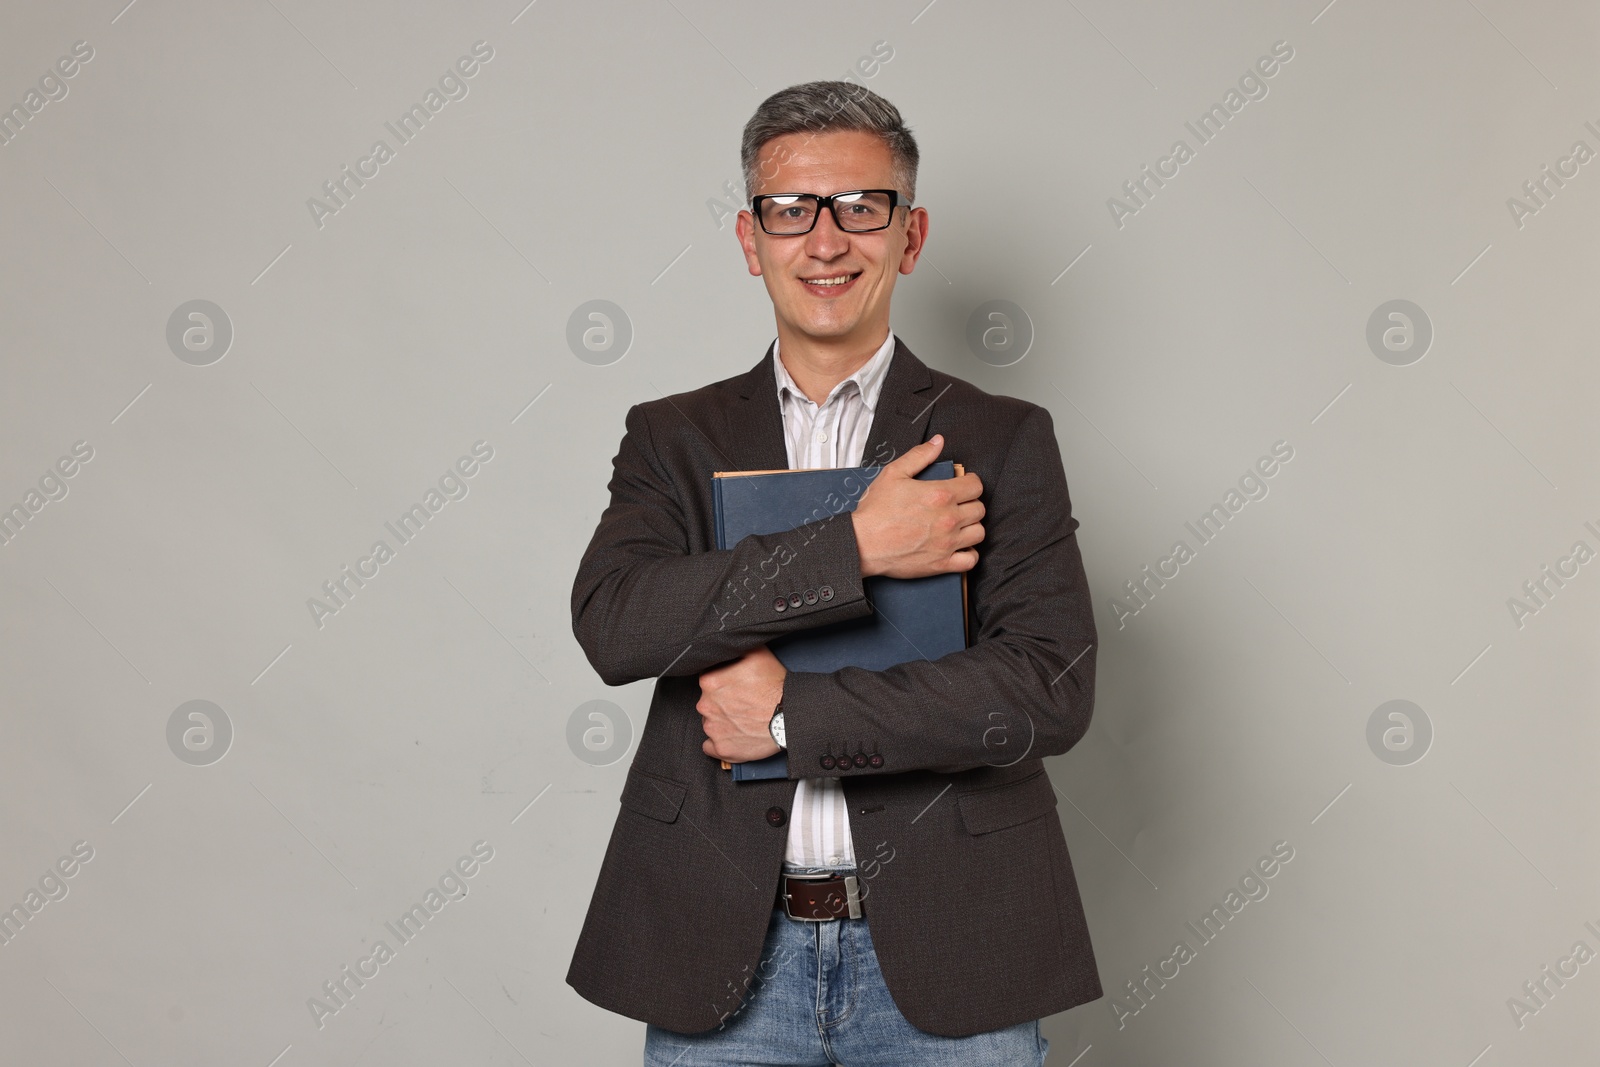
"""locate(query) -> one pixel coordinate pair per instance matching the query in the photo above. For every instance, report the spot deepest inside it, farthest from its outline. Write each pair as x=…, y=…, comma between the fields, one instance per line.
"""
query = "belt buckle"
x=852, y=893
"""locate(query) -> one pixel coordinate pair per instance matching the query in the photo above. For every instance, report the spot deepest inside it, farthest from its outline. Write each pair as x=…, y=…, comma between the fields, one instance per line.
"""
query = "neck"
x=819, y=364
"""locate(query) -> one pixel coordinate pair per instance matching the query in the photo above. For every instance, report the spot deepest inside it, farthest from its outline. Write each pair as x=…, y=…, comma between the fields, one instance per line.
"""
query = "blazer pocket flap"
x=654, y=796
x=1007, y=805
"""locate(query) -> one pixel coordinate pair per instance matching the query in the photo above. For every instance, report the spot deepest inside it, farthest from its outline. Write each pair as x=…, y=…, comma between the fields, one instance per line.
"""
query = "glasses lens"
x=863, y=211
x=788, y=214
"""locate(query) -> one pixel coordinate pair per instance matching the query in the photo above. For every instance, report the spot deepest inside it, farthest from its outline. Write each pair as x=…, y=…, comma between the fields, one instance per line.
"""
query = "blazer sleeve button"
x=875, y=760
x=780, y=604
x=825, y=592
x=811, y=596
x=861, y=759
x=795, y=600
x=827, y=763
x=776, y=816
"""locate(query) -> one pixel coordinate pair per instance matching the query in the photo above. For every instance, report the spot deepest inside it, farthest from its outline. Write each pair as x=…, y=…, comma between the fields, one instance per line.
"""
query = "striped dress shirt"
x=833, y=434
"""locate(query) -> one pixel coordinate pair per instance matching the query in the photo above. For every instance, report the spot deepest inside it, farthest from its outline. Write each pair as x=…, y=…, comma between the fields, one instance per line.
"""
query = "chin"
x=826, y=330
x=827, y=325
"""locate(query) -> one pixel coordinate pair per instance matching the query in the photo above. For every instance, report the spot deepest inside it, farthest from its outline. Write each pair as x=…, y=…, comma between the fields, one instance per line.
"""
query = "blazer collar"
x=899, y=422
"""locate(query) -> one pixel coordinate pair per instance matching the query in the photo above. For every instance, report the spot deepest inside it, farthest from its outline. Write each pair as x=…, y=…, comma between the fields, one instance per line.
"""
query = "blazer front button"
x=776, y=816
x=780, y=604
x=825, y=592
x=794, y=600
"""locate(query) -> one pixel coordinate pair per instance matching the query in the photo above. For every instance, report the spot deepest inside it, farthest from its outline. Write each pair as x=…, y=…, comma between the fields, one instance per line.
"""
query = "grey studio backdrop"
x=1339, y=348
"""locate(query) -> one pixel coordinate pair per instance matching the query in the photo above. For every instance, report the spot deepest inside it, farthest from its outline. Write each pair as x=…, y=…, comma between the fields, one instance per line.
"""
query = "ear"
x=745, y=226
x=916, y=238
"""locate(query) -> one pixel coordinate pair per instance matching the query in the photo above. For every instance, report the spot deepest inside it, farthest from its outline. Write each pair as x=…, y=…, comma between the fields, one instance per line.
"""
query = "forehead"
x=824, y=163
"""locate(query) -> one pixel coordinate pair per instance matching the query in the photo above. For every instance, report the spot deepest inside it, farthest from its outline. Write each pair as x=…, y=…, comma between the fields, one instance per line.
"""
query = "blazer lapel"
x=905, y=404
x=899, y=422
x=755, y=423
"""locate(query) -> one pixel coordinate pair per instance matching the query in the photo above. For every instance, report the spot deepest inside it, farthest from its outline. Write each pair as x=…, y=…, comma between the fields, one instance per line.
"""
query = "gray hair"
x=821, y=107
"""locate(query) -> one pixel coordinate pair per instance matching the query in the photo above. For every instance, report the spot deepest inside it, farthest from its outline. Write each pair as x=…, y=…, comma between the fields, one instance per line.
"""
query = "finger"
x=967, y=487
x=970, y=512
x=964, y=560
x=968, y=536
x=915, y=459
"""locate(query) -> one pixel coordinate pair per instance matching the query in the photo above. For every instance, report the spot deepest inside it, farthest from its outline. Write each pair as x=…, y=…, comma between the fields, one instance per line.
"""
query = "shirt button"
x=834, y=860
x=822, y=435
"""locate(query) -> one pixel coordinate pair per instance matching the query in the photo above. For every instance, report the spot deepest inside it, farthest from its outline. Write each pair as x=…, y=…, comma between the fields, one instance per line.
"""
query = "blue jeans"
x=818, y=998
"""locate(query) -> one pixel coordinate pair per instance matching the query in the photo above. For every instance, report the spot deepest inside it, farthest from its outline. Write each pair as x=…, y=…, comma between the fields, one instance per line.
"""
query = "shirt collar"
x=868, y=377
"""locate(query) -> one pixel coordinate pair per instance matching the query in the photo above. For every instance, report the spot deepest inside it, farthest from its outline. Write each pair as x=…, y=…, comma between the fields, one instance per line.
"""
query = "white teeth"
x=830, y=281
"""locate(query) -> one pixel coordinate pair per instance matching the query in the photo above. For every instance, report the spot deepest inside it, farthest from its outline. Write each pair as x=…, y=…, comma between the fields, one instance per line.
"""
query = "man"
x=934, y=917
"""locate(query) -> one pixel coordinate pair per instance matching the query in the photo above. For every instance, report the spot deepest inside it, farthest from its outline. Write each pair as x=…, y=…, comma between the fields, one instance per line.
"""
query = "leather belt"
x=819, y=897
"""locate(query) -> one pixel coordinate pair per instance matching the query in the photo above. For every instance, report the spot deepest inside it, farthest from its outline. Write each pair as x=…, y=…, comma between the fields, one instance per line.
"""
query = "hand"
x=736, y=704
x=906, y=528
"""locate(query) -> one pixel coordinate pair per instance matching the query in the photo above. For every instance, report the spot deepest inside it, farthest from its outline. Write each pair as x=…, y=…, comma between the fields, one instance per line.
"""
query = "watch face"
x=776, y=729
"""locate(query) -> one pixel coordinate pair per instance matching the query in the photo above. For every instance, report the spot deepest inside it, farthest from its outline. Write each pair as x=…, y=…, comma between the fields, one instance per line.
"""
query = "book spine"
x=716, y=510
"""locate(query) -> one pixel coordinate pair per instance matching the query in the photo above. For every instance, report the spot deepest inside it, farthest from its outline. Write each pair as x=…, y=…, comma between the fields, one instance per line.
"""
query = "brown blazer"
x=975, y=915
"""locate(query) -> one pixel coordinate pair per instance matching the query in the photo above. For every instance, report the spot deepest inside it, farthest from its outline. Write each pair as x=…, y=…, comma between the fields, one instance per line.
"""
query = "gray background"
x=433, y=710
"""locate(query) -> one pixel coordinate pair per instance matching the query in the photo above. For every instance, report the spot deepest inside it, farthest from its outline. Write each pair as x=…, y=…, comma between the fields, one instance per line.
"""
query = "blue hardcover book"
x=912, y=618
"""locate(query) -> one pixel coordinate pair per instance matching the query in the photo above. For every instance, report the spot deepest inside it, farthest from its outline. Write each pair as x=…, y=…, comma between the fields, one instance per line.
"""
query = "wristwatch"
x=775, y=727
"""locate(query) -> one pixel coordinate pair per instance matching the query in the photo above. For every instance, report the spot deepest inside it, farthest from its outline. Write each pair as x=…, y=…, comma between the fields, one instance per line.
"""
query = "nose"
x=826, y=241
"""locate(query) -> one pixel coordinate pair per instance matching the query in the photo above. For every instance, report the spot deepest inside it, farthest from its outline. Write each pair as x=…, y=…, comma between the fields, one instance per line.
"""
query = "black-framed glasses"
x=791, y=214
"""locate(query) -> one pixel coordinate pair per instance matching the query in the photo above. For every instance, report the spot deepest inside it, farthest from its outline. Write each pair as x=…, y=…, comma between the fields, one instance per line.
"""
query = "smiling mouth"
x=833, y=281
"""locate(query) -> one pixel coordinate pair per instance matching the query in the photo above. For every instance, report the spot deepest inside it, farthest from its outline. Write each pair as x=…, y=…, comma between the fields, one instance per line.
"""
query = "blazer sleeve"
x=646, y=605
x=1024, y=687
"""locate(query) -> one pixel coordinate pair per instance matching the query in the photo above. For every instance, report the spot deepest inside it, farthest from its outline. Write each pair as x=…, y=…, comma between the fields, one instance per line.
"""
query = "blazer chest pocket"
x=653, y=796
x=1006, y=805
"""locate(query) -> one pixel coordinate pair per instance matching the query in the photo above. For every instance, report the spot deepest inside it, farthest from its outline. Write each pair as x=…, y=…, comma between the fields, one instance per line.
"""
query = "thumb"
x=918, y=458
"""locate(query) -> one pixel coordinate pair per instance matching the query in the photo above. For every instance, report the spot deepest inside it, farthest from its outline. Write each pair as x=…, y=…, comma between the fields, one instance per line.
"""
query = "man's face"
x=827, y=163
